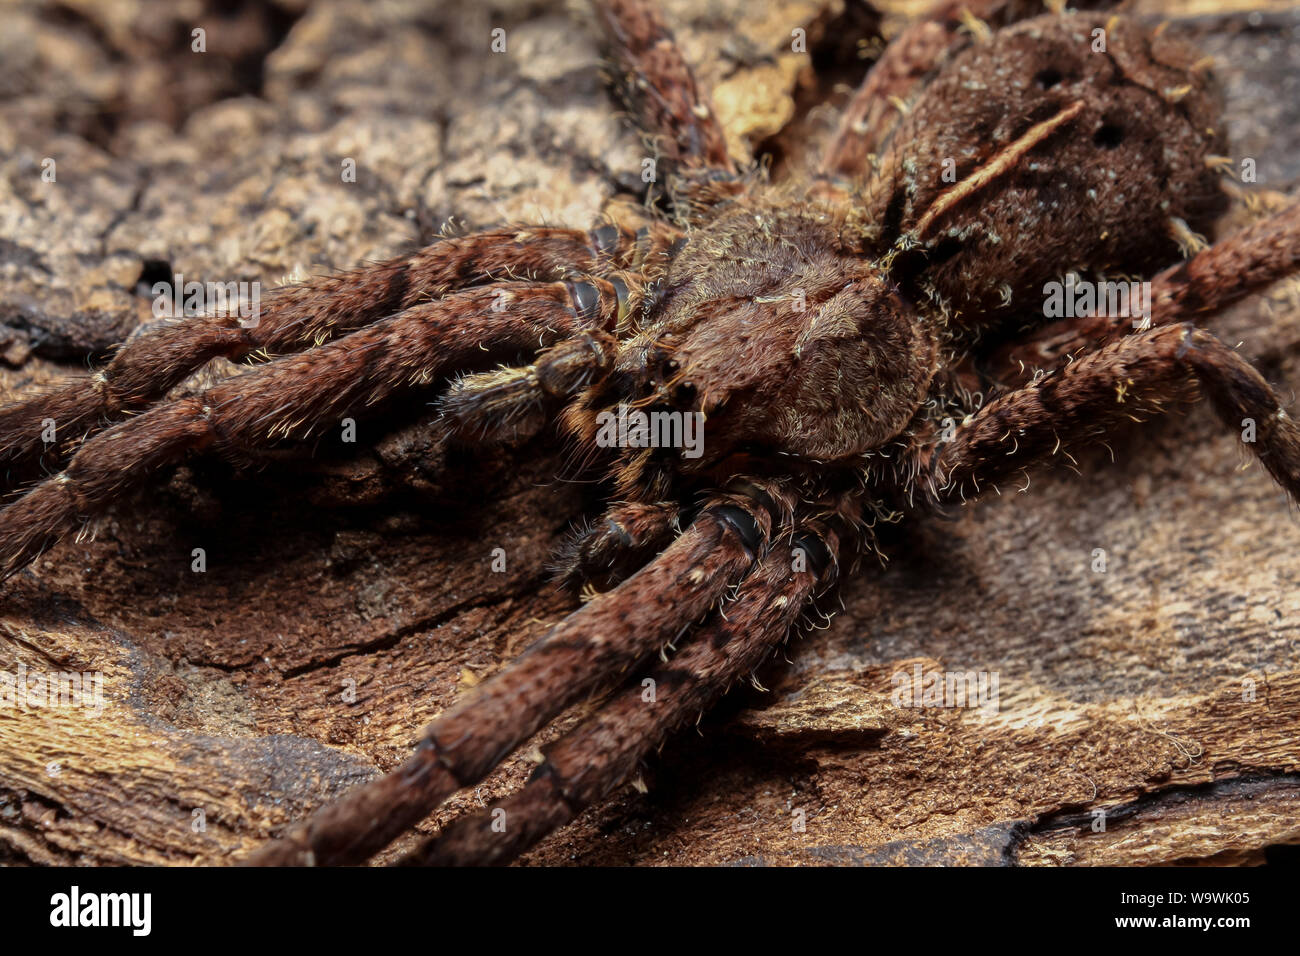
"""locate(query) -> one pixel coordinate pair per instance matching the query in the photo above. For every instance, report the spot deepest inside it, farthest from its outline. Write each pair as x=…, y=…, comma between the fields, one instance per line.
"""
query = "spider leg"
x=579, y=655
x=299, y=316
x=1213, y=279
x=656, y=84
x=604, y=750
x=295, y=396
x=1131, y=378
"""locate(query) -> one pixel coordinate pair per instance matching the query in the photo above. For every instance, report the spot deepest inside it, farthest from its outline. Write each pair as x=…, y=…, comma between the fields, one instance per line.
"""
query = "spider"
x=860, y=345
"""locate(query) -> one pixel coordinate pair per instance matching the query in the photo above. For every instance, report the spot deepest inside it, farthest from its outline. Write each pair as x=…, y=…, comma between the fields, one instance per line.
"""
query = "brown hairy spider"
x=831, y=333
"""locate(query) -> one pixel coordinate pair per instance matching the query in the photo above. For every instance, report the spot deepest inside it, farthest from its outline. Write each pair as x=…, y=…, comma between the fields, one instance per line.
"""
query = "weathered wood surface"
x=229, y=692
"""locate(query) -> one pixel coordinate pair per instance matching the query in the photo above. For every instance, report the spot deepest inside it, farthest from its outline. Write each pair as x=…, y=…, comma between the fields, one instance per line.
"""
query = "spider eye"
x=684, y=394
x=1109, y=136
x=669, y=367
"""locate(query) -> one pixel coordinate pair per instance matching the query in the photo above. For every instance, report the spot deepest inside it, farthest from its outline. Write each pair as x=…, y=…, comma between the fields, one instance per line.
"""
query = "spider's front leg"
x=627, y=535
x=581, y=654
x=307, y=314
x=297, y=395
x=604, y=750
x=1129, y=379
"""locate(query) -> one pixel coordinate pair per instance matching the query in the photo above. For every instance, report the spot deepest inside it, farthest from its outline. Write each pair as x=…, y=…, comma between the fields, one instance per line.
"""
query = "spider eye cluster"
x=671, y=384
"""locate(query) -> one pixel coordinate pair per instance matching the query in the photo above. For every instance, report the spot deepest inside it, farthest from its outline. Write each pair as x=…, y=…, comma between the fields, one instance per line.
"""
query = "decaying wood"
x=349, y=599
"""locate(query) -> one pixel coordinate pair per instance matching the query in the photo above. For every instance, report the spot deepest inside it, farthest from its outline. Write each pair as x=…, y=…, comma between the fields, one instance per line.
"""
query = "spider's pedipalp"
x=512, y=402
x=1130, y=379
x=299, y=316
x=581, y=654
x=293, y=397
x=602, y=752
x=505, y=404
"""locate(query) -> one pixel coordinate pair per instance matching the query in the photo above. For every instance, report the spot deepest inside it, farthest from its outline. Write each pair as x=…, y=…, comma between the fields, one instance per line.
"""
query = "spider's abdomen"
x=1077, y=142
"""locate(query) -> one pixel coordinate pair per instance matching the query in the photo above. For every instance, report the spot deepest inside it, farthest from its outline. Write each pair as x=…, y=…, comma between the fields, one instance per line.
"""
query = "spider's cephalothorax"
x=786, y=340
x=827, y=334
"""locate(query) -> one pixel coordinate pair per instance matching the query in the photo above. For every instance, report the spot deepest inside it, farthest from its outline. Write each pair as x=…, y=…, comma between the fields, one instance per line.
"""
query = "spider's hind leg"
x=297, y=317
x=1214, y=279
